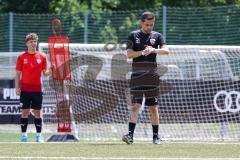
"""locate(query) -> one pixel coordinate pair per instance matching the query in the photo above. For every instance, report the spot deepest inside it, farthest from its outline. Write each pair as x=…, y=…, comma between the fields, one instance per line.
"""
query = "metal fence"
x=201, y=26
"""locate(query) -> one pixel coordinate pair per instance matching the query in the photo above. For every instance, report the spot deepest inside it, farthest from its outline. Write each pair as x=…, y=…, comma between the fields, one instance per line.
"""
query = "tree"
x=199, y=3
x=25, y=6
x=60, y=6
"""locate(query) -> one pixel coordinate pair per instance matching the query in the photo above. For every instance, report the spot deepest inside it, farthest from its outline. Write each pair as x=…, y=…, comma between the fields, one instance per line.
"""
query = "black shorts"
x=31, y=100
x=150, y=94
x=148, y=86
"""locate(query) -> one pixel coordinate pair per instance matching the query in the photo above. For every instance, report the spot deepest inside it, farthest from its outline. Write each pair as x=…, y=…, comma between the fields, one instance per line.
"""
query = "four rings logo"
x=230, y=102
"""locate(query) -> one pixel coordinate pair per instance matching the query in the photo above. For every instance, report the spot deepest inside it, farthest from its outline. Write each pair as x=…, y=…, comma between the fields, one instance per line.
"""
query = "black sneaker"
x=128, y=139
x=157, y=140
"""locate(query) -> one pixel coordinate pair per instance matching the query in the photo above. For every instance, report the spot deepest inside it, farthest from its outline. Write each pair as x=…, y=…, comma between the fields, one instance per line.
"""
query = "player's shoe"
x=39, y=139
x=24, y=139
x=128, y=139
x=157, y=140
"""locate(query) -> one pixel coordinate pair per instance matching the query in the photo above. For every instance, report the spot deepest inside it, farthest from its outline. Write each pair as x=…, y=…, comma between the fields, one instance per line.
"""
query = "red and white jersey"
x=31, y=66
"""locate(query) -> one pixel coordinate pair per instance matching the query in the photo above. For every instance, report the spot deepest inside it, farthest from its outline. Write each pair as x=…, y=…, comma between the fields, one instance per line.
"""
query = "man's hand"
x=49, y=71
x=18, y=91
x=148, y=50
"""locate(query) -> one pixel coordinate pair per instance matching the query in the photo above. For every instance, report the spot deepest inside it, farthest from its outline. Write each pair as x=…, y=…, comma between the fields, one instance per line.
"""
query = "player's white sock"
x=38, y=134
x=24, y=133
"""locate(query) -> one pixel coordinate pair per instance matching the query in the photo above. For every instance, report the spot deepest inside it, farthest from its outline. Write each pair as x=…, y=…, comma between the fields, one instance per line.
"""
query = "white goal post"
x=199, y=93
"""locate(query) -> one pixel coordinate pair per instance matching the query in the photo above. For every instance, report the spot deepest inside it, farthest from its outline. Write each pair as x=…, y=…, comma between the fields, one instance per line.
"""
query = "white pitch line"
x=137, y=142
x=118, y=158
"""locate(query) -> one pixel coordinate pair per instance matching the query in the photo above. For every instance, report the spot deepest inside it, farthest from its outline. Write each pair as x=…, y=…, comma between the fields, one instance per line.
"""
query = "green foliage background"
x=199, y=22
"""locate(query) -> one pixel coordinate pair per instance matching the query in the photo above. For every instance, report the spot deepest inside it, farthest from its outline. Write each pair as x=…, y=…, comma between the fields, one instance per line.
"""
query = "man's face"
x=147, y=25
x=31, y=44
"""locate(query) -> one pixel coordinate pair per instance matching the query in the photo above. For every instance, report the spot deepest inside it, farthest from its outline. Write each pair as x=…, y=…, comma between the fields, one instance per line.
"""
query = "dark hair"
x=31, y=36
x=147, y=16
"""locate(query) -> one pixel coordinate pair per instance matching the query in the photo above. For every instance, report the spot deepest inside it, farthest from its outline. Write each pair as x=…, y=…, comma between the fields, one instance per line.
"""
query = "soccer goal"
x=199, y=93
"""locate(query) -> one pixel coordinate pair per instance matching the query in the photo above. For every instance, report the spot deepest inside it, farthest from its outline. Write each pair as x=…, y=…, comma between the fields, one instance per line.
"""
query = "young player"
x=29, y=67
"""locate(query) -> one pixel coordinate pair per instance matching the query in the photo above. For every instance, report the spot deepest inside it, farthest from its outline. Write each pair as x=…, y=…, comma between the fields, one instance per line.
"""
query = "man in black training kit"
x=143, y=47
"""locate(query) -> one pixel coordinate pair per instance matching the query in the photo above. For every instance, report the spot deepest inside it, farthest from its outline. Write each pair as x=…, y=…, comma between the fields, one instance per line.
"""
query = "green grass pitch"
x=11, y=149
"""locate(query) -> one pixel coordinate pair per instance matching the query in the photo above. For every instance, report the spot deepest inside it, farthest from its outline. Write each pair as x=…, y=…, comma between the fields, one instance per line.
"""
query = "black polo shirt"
x=137, y=41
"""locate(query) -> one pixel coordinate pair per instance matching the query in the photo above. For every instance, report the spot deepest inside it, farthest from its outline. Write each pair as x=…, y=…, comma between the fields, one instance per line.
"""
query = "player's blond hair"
x=31, y=36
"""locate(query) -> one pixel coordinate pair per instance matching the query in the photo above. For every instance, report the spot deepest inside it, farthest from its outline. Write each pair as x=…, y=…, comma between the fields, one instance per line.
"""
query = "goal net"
x=199, y=93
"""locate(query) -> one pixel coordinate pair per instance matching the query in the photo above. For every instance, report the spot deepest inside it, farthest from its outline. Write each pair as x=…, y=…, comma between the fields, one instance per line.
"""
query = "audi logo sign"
x=228, y=101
